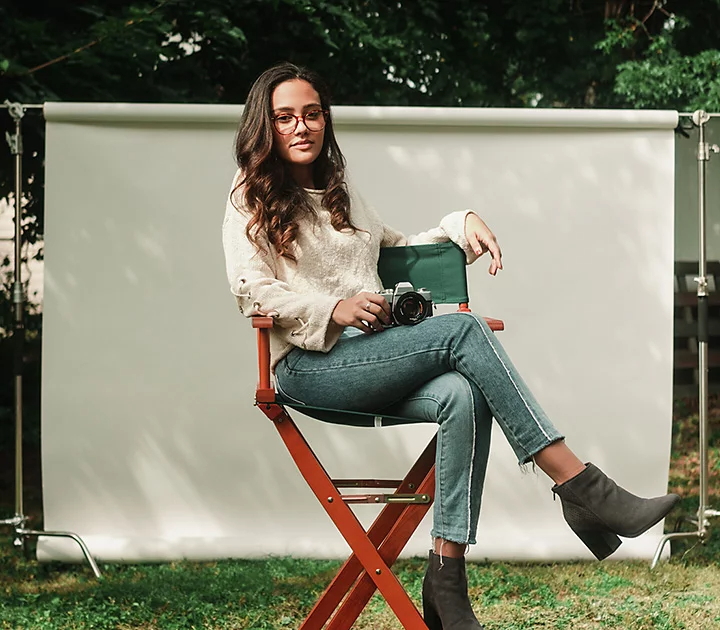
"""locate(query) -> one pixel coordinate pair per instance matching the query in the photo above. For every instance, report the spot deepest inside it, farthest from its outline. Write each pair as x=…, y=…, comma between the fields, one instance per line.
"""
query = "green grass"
x=683, y=593
x=278, y=592
x=230, y=594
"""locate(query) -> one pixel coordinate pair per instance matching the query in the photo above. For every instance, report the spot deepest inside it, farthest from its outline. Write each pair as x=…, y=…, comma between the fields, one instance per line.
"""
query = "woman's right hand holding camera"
x=366, y=311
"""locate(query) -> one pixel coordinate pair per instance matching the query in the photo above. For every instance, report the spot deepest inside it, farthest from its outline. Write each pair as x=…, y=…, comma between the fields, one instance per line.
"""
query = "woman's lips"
x=302, y=145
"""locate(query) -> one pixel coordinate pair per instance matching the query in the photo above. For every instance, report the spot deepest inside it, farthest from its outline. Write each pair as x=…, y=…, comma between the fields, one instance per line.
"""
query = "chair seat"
x=345, y=417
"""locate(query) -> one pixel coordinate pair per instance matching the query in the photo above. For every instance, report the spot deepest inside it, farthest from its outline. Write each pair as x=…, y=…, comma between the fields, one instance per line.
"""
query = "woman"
x=303, y=247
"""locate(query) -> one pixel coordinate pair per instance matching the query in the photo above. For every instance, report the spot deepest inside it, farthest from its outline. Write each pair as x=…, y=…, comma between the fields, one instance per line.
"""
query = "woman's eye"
x=283, y=120
x=313, y=115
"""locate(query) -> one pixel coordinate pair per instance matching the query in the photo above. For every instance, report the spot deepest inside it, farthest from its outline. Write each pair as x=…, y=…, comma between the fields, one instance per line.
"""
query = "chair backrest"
x=438, y=267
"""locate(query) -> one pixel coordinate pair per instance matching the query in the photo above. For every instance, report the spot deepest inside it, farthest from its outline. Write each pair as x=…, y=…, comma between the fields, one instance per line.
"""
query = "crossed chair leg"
x=374, y=550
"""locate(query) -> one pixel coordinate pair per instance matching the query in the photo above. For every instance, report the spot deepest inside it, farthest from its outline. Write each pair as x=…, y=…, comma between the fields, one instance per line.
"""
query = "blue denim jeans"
x=449, y=369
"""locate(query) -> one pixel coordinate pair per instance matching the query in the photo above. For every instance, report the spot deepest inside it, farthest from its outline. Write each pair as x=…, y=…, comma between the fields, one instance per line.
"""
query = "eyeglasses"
x=286, y=124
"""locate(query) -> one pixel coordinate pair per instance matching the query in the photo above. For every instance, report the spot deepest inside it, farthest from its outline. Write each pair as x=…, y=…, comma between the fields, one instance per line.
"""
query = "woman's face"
x=302, y=146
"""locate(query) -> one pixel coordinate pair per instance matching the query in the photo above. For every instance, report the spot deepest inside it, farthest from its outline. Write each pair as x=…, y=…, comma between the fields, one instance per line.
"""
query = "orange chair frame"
x=373, y=551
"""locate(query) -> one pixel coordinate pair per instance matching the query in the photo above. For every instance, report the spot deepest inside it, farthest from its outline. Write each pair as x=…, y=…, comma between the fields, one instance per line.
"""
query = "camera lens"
x=410, y=309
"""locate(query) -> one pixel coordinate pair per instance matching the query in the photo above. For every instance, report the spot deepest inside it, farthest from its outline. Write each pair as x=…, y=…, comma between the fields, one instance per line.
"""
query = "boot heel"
x=432, y=619
x=602, y=544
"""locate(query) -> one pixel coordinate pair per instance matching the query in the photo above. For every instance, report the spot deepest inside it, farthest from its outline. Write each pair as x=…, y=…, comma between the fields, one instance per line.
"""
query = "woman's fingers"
x=365, y=311
x=372, y=311
x=369, y=322
x=365, y=327
x=496, y=262
x=376, y=305
x=481, y=239
x=482, y=243
x=475, y=243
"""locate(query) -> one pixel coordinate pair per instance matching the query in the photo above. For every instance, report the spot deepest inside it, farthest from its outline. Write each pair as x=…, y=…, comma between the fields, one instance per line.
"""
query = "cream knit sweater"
x=331, y=266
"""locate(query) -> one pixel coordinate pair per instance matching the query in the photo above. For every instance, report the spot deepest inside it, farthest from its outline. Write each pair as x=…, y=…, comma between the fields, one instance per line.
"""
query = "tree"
x=669, y=62
x=568, y=53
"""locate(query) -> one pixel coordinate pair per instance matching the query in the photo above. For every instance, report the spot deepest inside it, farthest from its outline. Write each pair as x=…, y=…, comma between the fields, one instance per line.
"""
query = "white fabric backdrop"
x=151, y=446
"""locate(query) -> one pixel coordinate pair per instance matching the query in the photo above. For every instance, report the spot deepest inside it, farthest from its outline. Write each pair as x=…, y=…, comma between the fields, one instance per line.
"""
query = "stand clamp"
x=700, y=118
x=14, y=140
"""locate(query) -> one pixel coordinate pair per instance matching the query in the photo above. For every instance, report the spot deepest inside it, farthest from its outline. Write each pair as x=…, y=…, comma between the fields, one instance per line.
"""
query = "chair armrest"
x=495, y=324
x=260, y=321
x=264, y=392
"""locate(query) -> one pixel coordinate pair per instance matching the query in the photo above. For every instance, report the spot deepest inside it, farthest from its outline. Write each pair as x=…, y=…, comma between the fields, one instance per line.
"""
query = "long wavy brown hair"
x=266, y=190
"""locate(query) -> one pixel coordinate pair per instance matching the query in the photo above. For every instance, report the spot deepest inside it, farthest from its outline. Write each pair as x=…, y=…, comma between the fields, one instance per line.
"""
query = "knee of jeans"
x=455, y=396
x=473, y=318
x=468, y=321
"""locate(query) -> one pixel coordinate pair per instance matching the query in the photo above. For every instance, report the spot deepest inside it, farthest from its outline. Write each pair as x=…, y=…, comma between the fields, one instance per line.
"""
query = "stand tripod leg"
x=667, y=538
x=75, y=537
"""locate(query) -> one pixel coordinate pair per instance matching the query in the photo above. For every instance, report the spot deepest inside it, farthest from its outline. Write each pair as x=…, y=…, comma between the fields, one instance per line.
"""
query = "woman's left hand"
x=482, y=240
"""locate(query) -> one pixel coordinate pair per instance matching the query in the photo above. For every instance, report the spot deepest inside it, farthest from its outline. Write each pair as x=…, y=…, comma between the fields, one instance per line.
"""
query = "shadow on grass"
x=229, y=594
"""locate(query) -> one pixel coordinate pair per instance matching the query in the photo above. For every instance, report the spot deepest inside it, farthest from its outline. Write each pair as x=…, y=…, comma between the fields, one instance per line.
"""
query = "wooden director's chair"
x=441, y=269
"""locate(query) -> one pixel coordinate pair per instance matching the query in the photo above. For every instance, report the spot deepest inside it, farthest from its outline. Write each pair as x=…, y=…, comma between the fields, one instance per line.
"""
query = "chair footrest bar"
x=387, y=498
x=367, y=483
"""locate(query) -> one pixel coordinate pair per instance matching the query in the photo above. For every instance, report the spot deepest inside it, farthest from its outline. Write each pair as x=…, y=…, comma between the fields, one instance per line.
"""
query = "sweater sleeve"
x=451, y=228
x=304, y=319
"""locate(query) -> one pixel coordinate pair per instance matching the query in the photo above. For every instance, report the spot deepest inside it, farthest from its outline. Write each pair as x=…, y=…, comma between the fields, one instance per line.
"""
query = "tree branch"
x=650, y=12
x=91, y=44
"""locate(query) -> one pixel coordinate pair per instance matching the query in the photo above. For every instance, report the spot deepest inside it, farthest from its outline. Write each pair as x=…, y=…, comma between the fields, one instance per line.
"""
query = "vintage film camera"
x=408, y=306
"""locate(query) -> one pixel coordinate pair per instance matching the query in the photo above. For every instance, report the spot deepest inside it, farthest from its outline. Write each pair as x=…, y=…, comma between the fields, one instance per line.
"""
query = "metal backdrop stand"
x=704, y=513
x=18, y=522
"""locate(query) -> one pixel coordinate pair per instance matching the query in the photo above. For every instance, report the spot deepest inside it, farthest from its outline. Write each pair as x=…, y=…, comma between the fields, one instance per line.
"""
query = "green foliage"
x=664, y=76
x=425, y=52
x=669, y=80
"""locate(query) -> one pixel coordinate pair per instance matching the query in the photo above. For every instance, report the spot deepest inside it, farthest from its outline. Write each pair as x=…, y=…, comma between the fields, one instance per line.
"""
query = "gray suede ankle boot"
x=446, y=605
x=598, y=510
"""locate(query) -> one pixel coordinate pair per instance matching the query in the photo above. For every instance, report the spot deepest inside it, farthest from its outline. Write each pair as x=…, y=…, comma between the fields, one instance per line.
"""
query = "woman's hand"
x=482, y=240
x=366, y=311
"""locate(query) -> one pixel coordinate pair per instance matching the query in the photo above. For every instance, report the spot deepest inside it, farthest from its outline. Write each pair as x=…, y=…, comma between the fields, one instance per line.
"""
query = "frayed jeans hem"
x=458, y=539
x=530, y=457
